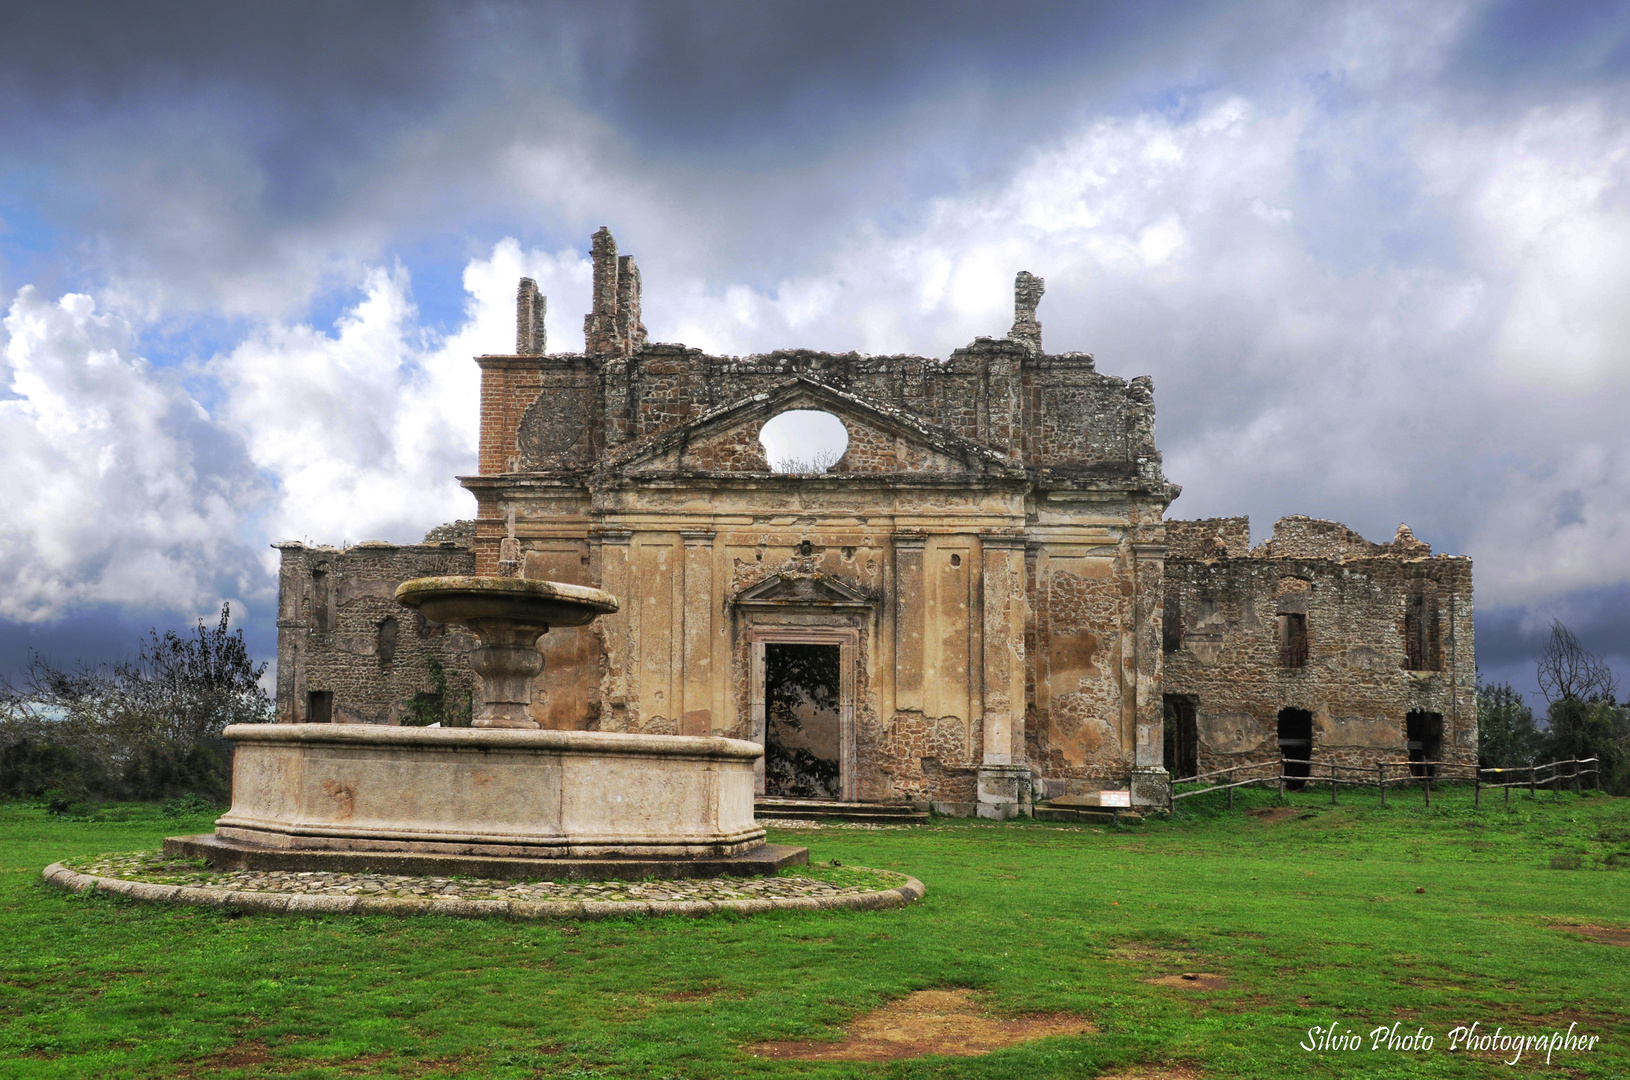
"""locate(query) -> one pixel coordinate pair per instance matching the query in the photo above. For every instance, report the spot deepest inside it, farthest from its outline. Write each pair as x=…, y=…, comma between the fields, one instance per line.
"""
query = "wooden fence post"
x=1556, y=779
x=1477, y=787
x=1429, y=791
x=1576, y=776
x=1231, y=769
x=1531, y=793
x=1381, y=782
x=1507, y=788
x=1332, y=783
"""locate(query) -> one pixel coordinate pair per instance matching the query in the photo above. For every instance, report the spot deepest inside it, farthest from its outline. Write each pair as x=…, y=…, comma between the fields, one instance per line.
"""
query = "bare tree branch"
x=1568, y=671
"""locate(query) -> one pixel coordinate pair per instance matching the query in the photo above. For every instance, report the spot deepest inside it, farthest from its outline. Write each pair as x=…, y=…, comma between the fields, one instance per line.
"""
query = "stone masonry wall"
x=340, y=630
x=1225, y=609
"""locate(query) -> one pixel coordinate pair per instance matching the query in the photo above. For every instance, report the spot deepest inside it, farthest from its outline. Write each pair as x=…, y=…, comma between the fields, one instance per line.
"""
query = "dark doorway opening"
x=802, y=711
x=320, y=707
x=1424, y=732
x=1182, y=735
x=1295, y=746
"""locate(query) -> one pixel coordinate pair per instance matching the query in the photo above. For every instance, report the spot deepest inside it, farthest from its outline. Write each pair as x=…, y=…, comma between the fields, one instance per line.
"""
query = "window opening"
x=385, y=639
x=320, y=707
x=1292, y=640
x=802, y=713
x=1295, y=746
x=321, y=620
x=1182, y=735
x=1424, y=732
x=803, y=441
x=1420, y=627
x=1171, y=622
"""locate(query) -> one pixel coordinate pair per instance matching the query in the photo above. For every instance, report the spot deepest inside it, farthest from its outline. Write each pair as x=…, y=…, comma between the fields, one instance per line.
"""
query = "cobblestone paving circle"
x=157, y=869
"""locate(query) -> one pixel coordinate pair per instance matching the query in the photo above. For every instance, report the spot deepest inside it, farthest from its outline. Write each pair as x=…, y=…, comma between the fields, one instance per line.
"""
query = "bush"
x=143, y=729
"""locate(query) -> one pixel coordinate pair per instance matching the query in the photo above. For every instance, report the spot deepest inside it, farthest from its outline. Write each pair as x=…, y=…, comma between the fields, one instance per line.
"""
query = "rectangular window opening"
x=320, y=707
x=1292, y=640
x=1420, y=632
x=1171, y=623
x=321, y=615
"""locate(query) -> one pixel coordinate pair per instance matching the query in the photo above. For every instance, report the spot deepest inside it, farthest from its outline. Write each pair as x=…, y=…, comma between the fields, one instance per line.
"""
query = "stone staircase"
x=770, y=809
x=1083, y=808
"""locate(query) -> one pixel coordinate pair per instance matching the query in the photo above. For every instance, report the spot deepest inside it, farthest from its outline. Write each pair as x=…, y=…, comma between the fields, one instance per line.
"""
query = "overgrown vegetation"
x=148, y=728
x=799, y=677
x=1584, y=718
x=1308, y=914
x=444, y=704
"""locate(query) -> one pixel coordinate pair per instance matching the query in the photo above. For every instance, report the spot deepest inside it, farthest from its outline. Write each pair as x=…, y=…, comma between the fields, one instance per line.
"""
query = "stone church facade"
x=981, y=581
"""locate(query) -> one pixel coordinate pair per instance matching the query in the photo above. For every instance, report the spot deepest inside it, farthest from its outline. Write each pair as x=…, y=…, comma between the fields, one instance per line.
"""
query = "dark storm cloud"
x=1514, y=44
x=105, y=634
x=220, y=173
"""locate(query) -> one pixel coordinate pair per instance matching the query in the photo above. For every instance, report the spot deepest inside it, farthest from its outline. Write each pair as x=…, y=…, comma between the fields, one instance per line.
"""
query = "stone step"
x=1096, y=814
x=772, y=808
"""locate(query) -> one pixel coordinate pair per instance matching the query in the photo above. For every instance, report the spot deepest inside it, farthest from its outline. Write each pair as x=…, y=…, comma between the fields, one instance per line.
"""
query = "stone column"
x=614, y=544
x=1004, y=779
x=1151, y=784
x=697, y=715
x=909, y=603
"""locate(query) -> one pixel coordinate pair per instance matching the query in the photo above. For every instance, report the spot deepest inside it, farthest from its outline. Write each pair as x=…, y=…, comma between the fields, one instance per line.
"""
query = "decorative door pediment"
x=808, y=590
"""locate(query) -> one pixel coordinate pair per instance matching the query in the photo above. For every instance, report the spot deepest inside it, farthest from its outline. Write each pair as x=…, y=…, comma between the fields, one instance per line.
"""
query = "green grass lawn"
x=1312, y=916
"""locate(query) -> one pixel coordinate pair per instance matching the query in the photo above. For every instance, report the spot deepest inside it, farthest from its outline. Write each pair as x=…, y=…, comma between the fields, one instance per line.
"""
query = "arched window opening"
x=803, y=441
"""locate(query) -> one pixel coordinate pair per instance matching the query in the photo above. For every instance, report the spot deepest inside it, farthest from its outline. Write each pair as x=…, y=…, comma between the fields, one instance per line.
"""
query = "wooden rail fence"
x=1274, y=771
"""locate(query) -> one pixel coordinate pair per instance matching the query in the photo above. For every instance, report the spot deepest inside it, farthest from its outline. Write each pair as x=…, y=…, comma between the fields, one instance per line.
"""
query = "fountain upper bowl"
x=462, y=598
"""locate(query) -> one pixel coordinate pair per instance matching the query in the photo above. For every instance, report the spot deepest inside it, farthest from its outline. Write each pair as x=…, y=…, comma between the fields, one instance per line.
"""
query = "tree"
x=145, y=728
x=1586, y=720
x=1507, y=735
x=1567, y=670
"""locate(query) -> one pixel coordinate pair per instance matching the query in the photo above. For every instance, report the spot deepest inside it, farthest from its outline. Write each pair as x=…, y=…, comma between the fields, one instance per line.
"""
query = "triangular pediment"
x=793, y=588
x=882, y=440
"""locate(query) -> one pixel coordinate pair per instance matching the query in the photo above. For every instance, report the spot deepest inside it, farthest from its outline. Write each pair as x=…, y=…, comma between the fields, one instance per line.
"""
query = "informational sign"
x=1115, y=798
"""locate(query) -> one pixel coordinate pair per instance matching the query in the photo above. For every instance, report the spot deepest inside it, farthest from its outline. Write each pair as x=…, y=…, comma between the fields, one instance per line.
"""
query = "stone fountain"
x=500, y=798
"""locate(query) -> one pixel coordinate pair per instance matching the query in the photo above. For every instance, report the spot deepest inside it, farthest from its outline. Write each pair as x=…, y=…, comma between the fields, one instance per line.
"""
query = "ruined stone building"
x=1316, y=642
x=979, y=603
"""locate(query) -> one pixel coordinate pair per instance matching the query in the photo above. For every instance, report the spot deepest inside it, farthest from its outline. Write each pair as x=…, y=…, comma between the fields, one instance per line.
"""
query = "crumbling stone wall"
x=1223, y=606
x=341, y=632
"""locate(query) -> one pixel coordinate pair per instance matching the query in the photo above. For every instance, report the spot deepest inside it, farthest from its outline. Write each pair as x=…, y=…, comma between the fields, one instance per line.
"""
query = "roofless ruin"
x=981, y=603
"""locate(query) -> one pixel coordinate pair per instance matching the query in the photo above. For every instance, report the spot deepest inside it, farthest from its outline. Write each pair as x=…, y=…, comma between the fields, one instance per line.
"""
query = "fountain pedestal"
x=507, y=615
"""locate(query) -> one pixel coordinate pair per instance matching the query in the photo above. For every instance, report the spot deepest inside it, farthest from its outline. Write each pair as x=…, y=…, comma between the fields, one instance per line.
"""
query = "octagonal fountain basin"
x=467, y=791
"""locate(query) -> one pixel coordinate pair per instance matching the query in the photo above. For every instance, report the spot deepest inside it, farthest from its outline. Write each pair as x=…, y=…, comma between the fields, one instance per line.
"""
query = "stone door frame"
x=847, y=639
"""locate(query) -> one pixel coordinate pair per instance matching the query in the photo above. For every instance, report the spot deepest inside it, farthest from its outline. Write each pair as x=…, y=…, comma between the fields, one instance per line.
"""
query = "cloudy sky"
x=1375, y=257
